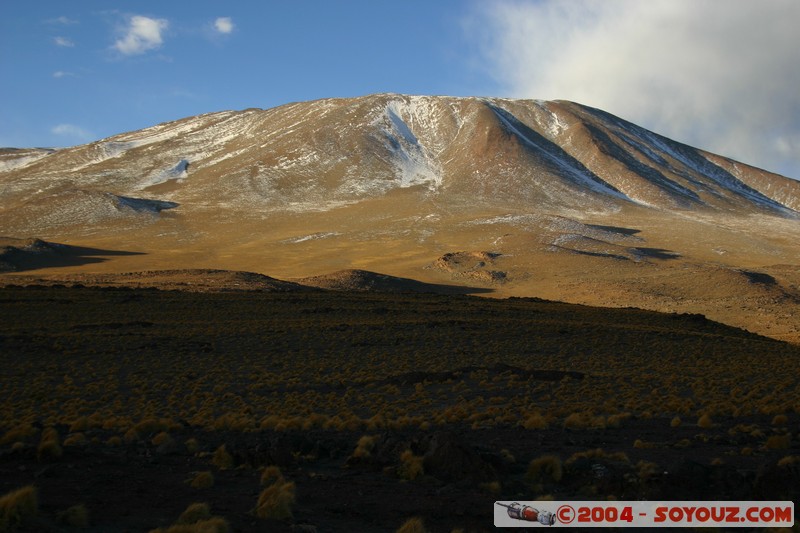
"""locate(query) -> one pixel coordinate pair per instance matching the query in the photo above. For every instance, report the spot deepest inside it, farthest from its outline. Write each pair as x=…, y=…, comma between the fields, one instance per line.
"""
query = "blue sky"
x=76, y=71
x=717, y=74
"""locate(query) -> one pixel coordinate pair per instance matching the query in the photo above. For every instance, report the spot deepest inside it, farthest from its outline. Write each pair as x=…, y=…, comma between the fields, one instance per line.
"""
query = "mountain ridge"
x=569, y=201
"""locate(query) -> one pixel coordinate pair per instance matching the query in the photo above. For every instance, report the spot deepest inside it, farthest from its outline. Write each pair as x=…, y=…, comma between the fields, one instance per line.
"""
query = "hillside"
x=520, y=197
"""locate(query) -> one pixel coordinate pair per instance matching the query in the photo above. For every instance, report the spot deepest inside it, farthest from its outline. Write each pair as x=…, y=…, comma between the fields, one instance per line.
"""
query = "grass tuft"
x=545, y=468
x=413, y=525
x=196, y=512
x=705, y=421
x=75, y=516
x=410, y=465
x=364, y=446
x=222, y=459
x=18, y=507
x=276, y=500
x=202, y=480
x=212, y=525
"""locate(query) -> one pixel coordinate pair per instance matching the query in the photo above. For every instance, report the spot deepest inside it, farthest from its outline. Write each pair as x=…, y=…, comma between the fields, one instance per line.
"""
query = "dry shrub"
x=17, y=434
x=222, y=459
x=598, y=453
x=647, y=469
x=410, y=465
x=413, y=525
x=789, y=460
x=778, y=442
x=212, y=525
x=75, y=516
x=76, y=439
x=80, y=424
x=535, y=421
x=161, y=438
x=675, y=422
x=507, y=456
x=202, y=480
x=705, y=421
x=584, y=420
x=49, y=447
x=780, y=420
x=271, y=474
x=196, y=512
x=492, y=487
x=18, y=507
x=544, y=468
x=364, y=446
x=276, y=500
x=192, y=446
x=615, y=421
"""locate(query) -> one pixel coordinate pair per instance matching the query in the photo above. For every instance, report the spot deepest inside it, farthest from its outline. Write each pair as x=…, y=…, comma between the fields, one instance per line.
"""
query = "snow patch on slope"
x=413, y=164
x=178, y=172
x=10, y=162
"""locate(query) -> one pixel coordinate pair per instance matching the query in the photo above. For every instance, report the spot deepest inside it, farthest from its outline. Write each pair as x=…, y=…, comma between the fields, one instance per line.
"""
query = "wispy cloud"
x=140, y=35
x=63, y=41
x=72, y=132
x=63, y=74
x=64, y=21
x=718, y=75
x=224, y=25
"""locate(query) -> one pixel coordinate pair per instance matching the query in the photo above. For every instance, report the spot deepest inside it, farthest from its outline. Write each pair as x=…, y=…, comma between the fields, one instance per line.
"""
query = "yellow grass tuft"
x=222, y=459
x=584, y=420
x=410, y=465
x=545, y=468
x=789, y=460
x=75, y=516
x=196, y=512
x=705, y=421
x=212, y=525
x=202, y=480
x=364, y=446
x=413, y=525
x=492, y=487
x=778, y=442
x=75, y=439
x=780, y=420
x=675, y=422
x=161, y=438
x=271, y=474
x=276, y=500
x=49, y=446
x=80, y=424
x=17, y=434
x=18, y=507
x=535, y=421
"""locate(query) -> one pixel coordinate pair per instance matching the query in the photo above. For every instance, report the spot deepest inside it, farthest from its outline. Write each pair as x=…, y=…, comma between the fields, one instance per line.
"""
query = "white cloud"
x=72, y=132
x=142, y=34
x=224, y=25
x=63, y=41
x=65, y=21
x=63, y=74
x=720, y=75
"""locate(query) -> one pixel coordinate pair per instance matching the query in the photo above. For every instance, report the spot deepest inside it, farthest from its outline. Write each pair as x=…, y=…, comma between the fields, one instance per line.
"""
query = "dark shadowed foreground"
x=323, y=411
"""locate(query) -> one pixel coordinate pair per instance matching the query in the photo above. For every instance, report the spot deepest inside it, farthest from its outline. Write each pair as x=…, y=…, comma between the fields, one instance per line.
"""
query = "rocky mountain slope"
x=528, y=198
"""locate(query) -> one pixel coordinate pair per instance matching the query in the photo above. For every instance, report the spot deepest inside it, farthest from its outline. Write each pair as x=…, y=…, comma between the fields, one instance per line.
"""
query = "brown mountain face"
x=527, y=198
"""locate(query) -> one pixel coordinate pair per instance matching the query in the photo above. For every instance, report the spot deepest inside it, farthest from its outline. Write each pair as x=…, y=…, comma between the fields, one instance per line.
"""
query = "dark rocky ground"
x=456, y=397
